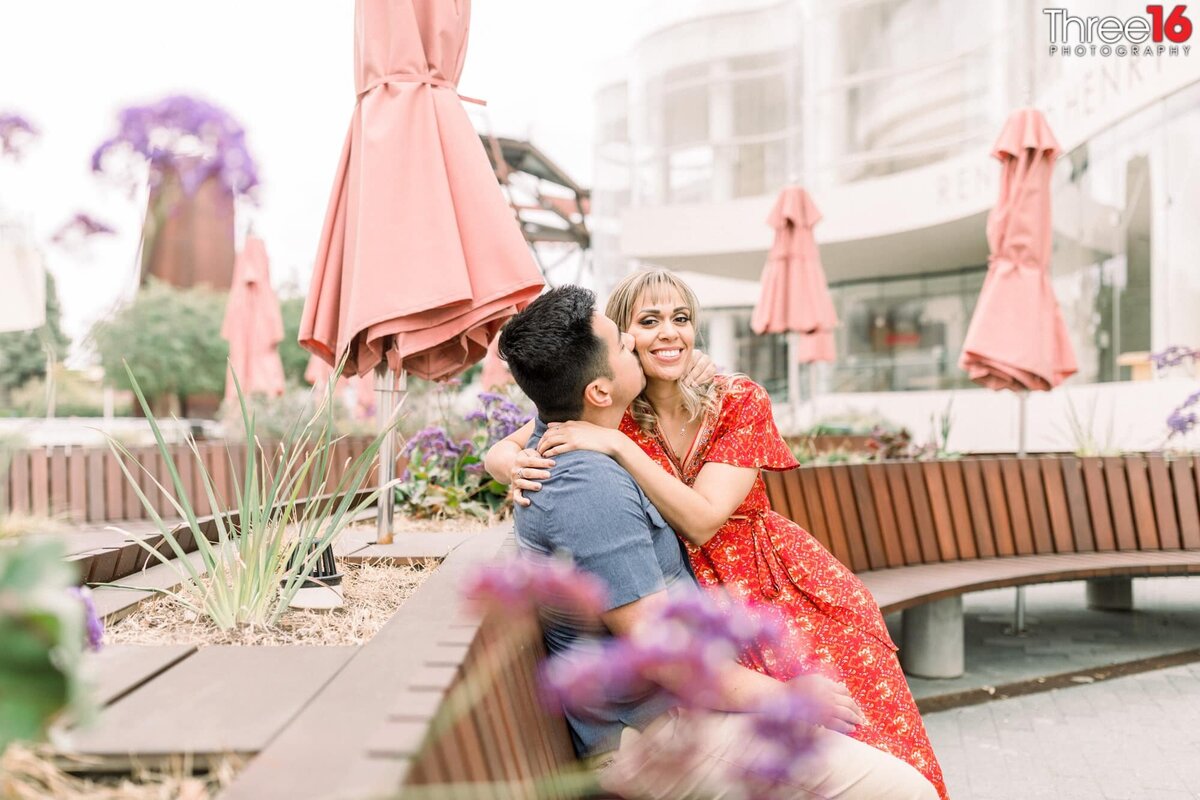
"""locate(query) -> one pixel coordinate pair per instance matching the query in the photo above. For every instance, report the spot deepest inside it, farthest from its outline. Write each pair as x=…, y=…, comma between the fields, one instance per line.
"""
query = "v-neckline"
x=679, y=464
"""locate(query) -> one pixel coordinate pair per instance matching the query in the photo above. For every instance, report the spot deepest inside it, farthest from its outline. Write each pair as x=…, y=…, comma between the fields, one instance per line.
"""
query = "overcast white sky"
x=285, y=71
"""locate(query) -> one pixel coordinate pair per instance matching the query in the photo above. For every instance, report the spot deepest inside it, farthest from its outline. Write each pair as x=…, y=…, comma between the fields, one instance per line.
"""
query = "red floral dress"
x=762, y=558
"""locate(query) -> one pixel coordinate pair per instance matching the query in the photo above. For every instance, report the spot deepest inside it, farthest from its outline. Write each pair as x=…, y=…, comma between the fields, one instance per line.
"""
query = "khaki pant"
x=704, y=755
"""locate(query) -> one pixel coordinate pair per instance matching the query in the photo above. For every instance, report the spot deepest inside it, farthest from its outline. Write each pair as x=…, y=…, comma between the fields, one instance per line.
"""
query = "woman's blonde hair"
x=655, y=284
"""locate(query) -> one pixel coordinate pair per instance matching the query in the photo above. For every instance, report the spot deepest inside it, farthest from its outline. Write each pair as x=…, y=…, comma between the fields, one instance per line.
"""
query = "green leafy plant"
x=172, y=339
x=42, y=638
x=445, y=476
x=248, y=574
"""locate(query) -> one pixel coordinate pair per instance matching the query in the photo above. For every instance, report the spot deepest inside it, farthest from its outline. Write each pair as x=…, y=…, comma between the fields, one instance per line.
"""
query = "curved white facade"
x=886, y=111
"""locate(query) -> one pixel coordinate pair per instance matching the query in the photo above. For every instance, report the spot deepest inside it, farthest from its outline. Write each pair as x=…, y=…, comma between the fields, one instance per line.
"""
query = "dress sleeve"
x=745, y=434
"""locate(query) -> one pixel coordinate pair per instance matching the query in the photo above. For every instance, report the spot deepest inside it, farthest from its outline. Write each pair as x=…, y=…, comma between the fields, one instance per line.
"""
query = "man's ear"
x=598, y=393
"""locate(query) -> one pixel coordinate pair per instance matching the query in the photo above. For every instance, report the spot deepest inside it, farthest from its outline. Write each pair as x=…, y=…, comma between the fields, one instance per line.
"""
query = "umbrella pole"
x=793, y=377
x=388, y=385
x=1018, y=626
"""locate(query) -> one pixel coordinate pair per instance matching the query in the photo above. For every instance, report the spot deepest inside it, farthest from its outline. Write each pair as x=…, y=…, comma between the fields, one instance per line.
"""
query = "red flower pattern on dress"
x=763, y=558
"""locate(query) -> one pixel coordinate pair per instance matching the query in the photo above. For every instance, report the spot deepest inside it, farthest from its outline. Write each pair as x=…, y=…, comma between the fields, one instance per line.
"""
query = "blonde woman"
x=696, y=450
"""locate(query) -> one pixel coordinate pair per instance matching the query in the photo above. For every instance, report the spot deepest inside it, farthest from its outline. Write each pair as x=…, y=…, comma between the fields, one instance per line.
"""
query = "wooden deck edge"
x=324, y=751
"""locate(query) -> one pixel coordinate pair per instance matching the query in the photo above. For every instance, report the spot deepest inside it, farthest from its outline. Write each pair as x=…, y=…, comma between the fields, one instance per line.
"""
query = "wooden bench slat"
x=1118, y=501
x=795, y=495
x=997, y=504
x=872, y=537
x=922, y=514
x=1186, y=475
x=833, y=516
x=1098, y=507
x=1018, y=510
x=1144, y=519
x=886, y=515
x=939, y=510
x=855, y=536
x=960, y=513
x=1039, y=510
x=1164, y=501
x=817, y=526
x=776, y=493
x=1057, y=507
x=95, y=486
x=906, y=525
x=977, y=502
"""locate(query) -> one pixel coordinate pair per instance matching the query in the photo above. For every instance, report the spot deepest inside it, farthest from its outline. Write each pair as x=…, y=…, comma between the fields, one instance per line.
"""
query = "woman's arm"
x=508, y=461
x=694, y=512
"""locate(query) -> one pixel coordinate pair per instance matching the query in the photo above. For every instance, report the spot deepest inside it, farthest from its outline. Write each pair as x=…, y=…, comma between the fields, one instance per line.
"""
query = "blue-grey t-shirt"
x=593, y=509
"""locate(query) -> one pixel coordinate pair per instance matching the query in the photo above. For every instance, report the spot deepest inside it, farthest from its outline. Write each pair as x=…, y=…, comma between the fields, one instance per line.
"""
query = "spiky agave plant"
x=247, y=576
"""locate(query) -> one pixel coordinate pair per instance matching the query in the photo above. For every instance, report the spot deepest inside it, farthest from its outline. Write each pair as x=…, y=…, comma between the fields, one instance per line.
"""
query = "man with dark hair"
x=574, y=363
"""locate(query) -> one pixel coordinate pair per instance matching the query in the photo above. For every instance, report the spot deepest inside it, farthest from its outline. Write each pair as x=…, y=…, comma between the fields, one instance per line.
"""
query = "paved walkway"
x=1119, y=739
x=1064, y=636
x=1129, y=738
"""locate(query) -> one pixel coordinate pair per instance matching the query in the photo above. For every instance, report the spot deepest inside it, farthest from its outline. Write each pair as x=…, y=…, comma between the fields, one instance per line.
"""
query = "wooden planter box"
x=85, y=484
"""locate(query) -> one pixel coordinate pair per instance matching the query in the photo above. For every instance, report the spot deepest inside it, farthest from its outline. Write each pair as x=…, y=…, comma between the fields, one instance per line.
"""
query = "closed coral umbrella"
x=253, y=326
x=1017, y=339
x=795, y=297
x=420, y=260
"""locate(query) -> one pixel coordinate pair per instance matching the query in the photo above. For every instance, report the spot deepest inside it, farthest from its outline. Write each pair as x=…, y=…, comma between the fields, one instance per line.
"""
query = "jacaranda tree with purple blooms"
x=173, y=147
x=1183, y=418
x=445, y=476
x=178, y=137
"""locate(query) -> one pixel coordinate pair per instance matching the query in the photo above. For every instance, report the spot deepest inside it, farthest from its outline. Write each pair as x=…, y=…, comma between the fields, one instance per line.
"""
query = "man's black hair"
x=554, y=353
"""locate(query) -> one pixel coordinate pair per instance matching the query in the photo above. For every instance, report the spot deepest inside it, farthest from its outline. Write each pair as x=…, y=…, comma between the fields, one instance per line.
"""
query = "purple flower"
x=95, y=627
x=183, y=136
x=1173, y=356
x=501, y=416
x=15, y=133
x=541, y=582
x=689, y=637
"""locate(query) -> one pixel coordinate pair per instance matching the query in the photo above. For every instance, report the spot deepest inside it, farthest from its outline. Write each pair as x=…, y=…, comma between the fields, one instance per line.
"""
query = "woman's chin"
x=659, y=372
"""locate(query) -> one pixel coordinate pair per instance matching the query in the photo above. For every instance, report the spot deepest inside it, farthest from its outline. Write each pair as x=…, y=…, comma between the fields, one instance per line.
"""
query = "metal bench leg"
x=932, y=641
x=1110, y=594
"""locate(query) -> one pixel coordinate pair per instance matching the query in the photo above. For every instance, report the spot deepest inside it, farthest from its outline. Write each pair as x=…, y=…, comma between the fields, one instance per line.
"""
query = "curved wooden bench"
x=924, y=533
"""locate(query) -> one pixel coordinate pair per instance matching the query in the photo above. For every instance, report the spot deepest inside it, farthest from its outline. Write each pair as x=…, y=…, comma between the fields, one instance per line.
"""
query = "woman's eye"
x=649, y=321
x=682, y=320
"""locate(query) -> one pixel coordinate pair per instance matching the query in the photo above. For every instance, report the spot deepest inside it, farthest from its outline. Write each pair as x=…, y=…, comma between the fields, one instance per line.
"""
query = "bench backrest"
x=881, y=515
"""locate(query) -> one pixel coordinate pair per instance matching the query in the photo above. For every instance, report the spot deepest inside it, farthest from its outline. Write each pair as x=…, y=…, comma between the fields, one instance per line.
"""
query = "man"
x=573, y=363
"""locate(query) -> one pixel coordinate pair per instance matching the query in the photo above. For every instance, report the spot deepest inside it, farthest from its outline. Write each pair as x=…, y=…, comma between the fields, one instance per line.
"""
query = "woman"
x=696, y=451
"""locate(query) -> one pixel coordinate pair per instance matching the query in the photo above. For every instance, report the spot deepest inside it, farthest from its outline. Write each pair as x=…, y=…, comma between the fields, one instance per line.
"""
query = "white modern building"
x=886, y=110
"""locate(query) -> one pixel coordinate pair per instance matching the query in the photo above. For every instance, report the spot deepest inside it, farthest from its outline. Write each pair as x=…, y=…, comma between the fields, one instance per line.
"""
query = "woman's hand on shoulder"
x=529, y=469
x=563, y=437
x=701, y=369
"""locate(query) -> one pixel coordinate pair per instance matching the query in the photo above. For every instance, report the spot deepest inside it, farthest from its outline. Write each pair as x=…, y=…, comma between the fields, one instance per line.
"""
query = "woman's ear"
x=598, y=393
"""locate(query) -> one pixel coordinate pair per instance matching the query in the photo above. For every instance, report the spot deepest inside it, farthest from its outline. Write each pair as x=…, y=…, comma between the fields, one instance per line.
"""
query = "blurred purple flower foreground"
x=95, y=627
x=530, y=582
x=184, y=136
x=15, y=133
x=689, y=637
